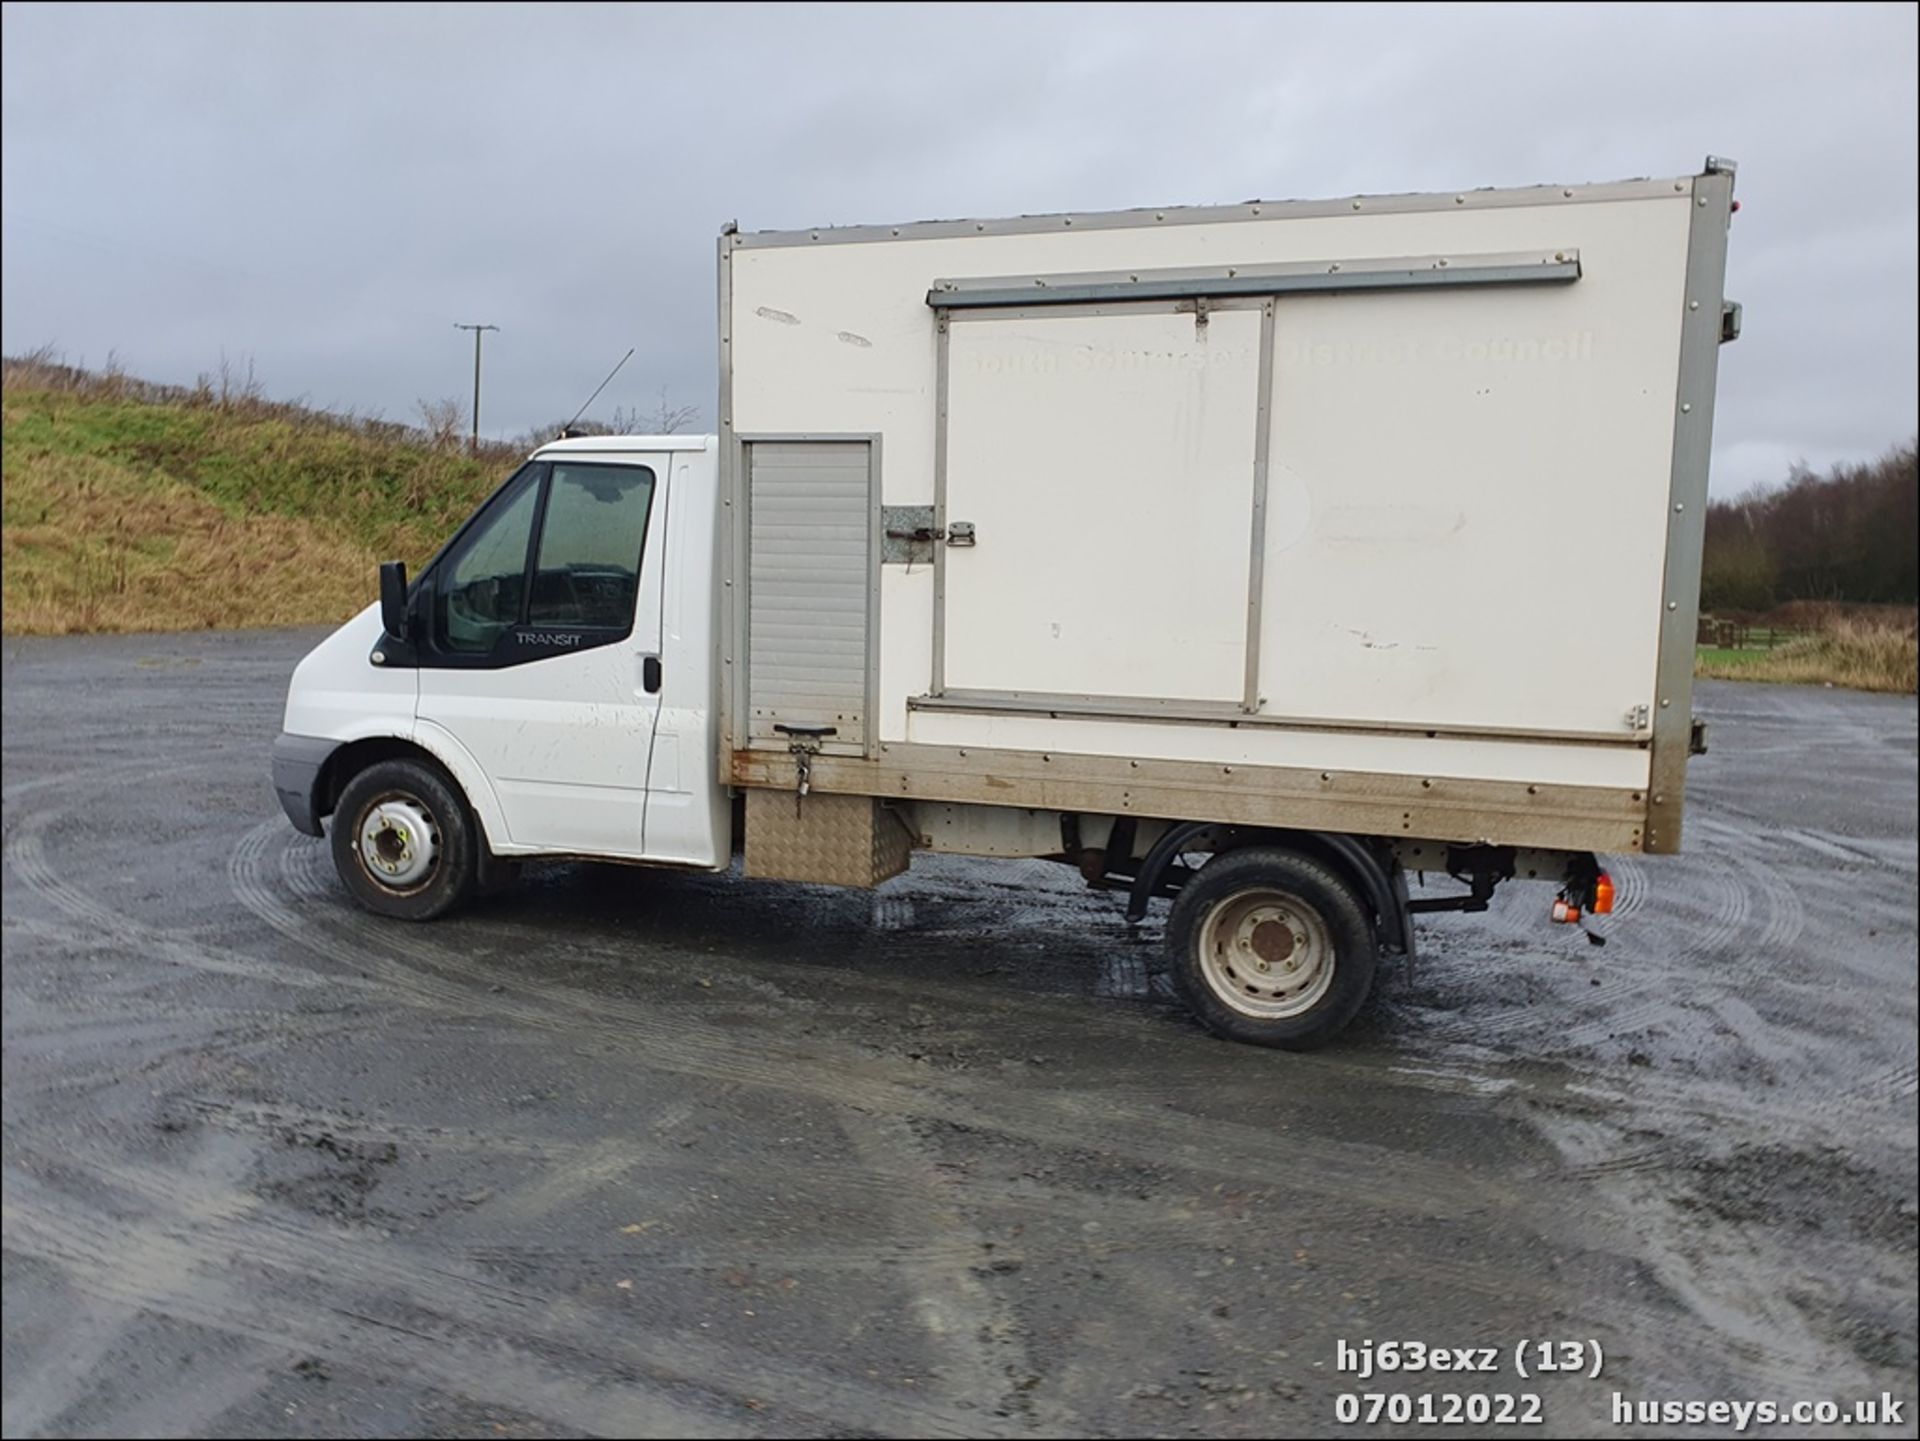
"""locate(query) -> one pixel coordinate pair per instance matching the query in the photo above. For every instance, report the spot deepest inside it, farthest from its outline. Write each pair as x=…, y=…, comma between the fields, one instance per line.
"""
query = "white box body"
x=1397, y=498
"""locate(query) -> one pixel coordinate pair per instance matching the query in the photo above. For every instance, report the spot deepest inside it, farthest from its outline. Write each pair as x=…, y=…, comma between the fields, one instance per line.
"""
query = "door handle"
x=650, y=674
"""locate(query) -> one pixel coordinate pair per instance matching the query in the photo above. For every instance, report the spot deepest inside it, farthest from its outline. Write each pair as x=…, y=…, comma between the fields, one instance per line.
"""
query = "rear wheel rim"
x=398, y=843
x=1267, y=954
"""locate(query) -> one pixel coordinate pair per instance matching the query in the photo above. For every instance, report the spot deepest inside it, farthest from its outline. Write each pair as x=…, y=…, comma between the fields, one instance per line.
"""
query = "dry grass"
x=1877, y=655
x=130, y=507
x=87, y=548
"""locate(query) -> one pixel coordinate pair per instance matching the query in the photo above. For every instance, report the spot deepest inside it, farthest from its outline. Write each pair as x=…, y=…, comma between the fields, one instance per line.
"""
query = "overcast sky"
x=327, y=190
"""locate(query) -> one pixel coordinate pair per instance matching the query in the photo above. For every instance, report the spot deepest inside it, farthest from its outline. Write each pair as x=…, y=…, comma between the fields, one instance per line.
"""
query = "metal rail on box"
x=1315, y=277
x=1226, y=713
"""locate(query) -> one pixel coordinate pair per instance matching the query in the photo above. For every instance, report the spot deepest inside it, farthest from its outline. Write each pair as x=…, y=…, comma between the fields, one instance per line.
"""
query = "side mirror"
x=393, y=599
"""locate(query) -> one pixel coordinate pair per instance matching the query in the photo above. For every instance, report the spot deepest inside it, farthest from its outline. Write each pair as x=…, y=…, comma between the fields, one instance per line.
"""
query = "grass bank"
x=1877, y=655
x=131, y=507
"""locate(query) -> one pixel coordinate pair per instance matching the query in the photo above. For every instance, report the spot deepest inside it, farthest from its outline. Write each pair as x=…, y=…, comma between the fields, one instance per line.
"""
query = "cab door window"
x=592, y=534
x=482, y=589
x=550, y=566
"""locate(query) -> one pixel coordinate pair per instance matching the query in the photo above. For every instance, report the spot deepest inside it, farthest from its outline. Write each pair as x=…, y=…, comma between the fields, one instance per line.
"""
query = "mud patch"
x=317, y=1172
x=967, y=1150
x=1882, y=1341
x=1823, y=1190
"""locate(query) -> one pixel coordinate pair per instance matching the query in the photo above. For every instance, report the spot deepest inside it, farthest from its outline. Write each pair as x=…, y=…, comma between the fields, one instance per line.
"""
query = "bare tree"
x=443, y=420
x=555, y=429
x=666, y=418
x=239, y=389
x=662, y=418
x=42, y=368
x=1847, y=535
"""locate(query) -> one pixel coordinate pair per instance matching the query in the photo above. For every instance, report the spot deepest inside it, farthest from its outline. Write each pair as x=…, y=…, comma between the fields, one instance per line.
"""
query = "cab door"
x=541, y=650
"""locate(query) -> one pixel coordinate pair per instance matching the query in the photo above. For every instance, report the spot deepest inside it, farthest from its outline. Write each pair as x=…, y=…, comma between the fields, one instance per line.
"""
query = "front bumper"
x=297, y=765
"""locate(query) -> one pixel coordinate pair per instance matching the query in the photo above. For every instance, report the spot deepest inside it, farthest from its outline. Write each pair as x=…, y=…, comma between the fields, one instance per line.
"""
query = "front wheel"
x=1270, y=946
x=403, y=842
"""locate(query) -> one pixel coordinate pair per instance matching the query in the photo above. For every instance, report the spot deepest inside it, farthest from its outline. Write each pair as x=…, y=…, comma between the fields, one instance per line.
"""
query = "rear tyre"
x=1271, y=947
x=403, y=842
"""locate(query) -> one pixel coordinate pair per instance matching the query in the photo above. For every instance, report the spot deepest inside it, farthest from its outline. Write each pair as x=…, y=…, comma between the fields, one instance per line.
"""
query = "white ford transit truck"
x=1248, y=557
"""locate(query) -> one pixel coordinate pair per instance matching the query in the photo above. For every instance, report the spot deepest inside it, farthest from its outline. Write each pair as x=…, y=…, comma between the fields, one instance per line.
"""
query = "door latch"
x=803, y=744
x=960, y=532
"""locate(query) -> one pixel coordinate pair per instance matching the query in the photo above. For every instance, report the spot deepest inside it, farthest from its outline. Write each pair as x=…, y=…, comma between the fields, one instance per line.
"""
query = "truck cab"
x=555, y=660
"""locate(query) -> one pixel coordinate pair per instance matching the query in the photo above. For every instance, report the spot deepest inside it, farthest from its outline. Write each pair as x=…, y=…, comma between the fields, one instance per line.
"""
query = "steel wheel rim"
x=398, y=843
x=1267, y=954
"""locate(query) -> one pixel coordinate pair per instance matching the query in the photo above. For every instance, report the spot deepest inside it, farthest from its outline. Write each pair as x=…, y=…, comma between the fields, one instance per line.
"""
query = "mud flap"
x=1400, y=899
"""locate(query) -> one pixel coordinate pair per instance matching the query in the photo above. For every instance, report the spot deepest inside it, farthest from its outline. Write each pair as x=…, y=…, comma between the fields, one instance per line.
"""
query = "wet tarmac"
x=628, y=1152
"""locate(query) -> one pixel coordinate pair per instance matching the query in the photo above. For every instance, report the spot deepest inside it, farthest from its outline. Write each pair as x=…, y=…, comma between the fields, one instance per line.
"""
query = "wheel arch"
x=461, y=771
x=348, y=760
x=1380, y=883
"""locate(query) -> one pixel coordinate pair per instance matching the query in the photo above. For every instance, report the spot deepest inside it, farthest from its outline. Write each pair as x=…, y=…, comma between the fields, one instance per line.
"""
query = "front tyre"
x=1271, y=947
x=403, y=842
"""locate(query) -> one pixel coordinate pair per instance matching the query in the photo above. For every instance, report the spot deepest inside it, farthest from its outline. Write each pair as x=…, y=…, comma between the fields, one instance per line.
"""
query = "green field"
x=1716, y=656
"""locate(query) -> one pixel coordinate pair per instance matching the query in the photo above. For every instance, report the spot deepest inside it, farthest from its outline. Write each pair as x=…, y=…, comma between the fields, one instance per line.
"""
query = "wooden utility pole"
x=473, y=446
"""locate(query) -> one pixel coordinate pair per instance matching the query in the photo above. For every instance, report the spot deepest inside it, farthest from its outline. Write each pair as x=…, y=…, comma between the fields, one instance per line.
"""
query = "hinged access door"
x=812, y=578
x=1091, y=455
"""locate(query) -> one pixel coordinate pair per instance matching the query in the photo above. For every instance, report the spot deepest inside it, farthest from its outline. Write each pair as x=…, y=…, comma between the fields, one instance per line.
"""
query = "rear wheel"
x=1272, y=947
x=403, y=842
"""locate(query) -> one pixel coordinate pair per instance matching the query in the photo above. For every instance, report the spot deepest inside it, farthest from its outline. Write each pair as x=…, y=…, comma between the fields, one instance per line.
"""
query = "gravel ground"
x=625, y=1152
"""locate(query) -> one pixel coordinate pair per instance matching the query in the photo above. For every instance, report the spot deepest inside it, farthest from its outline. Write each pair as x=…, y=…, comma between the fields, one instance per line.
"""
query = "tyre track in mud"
x=1626, y=993
x=307, y=872
x=1128, y=1225
x=193, y=1273
x=902, y=1096
x=25, y=854
x=968, y=1322
x=212, y=1229
x=195, y=1031
x=1717, y=929
x=886, y=1098
x=1335, y=1169
x=368, y=972
x=455, y=984
x=1740, y=1317
x=1645, y=998
x=1717, y=965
